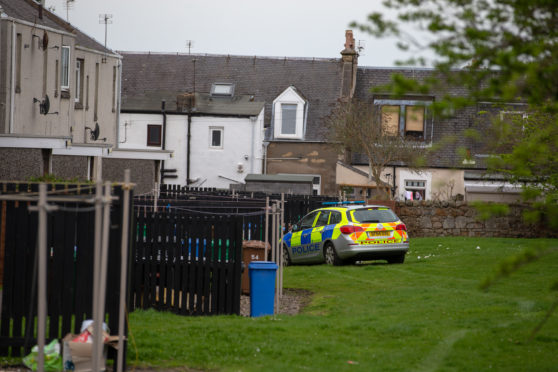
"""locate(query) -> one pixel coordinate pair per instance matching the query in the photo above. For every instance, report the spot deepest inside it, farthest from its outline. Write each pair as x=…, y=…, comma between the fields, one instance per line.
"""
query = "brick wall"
x=428, y=218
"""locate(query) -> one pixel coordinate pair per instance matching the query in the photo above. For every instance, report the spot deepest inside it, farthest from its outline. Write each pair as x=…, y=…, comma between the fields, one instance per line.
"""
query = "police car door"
x=301, y=238
x=317, y=238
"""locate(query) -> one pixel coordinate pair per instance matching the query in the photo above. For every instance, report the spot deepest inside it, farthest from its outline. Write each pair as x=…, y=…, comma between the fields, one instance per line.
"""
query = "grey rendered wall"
x=20, y=164
x=3, y=77
x=142, y=173
x=70, y=167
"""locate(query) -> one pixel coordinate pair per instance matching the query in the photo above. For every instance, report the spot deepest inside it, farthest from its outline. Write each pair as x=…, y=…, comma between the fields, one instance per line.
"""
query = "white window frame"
x=524, y=116
x=65, y=68
x=216, y=91
x=289, y=96
x=216, y=129
x=413, y=188
x=77, y=98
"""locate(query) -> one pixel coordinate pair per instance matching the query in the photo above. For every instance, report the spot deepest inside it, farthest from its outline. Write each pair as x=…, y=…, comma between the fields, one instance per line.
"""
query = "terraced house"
x=60, y=102
x=297, y=95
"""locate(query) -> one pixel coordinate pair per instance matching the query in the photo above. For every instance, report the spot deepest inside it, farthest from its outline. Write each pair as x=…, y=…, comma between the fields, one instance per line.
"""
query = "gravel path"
x=292, y=302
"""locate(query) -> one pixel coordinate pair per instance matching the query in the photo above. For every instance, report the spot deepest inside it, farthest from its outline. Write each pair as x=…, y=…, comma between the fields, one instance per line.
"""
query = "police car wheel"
x=397, y=259
x=286, y=258
x=331, y=257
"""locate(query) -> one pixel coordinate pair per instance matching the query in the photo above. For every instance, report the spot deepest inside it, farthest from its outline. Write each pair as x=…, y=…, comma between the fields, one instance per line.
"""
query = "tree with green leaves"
x=504, y=50
x=359, y=127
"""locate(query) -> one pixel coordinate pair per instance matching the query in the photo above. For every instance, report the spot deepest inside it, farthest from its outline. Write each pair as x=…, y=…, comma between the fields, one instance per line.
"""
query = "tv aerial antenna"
x=361, y=45
x=68, y=4
x=189, y=45
x=105, y=19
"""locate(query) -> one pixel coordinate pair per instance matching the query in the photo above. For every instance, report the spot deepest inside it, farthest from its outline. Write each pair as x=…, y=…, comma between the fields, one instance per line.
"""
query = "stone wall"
x=450, y=218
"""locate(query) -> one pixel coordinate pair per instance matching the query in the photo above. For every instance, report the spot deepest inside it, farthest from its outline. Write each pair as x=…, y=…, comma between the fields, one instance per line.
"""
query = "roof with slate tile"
x=442, y=128
x=28, y=10
x=238, y=105
x=318, y=80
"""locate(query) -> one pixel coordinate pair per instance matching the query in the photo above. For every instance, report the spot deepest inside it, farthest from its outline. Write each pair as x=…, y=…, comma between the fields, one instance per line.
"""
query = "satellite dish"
x=45, y=40
x=44, y=106
x=95, y=132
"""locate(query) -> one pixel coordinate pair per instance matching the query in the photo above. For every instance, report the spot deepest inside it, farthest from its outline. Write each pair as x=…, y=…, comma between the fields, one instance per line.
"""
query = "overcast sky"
x=291, y=28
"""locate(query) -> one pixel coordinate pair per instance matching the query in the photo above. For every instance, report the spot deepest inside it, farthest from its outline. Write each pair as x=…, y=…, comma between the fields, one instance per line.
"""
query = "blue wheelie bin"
x=262, y=287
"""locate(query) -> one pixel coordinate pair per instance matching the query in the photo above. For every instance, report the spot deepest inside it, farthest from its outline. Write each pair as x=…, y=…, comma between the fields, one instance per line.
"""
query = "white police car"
x=346, y=234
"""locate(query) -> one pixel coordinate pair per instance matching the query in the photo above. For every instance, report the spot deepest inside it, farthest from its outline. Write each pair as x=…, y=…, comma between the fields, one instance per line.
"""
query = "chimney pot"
x=349, y=40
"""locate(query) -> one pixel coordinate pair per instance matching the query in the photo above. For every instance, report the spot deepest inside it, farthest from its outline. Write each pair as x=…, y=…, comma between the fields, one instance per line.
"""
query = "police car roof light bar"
x=344, y=202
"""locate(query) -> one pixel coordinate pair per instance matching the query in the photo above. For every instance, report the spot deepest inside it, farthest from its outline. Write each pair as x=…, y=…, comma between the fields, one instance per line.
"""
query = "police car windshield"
x=374, y=215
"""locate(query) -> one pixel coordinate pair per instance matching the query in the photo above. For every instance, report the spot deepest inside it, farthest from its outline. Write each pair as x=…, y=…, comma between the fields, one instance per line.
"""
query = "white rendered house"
x=216, y=138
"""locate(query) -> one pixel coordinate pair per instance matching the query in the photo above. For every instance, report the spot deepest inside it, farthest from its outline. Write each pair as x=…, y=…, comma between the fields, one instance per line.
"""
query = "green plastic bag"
x=53, y=359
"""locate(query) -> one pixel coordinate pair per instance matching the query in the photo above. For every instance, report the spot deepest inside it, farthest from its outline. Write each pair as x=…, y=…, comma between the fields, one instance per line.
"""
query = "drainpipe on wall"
x=394, y=183
x=118, y=103
x=164, y=137
x=189, y=136
x=12, y=83
x=253, y=120
x=265, y=144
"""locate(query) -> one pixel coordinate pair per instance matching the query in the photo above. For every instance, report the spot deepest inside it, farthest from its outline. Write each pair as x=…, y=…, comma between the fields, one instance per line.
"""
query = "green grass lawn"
x=425, y=315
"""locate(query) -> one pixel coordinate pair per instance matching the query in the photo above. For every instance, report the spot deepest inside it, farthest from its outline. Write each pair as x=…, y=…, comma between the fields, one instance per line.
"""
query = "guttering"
x=94, y=51
x=33, y=141
x=297, y=158
x=83, y=150
x=37, y=26
x=140, y=154
x=189, y=137
x=158, y=112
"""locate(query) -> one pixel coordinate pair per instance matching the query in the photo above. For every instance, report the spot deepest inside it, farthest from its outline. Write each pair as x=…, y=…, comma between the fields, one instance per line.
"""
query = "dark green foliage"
x=51, y=178
x=498, y=50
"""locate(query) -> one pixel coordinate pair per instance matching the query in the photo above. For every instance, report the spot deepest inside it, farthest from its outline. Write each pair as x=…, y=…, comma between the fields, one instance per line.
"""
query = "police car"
x=346, y=234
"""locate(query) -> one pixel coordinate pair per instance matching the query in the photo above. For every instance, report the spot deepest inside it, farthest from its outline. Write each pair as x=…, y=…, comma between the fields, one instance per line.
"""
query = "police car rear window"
x=369, y=215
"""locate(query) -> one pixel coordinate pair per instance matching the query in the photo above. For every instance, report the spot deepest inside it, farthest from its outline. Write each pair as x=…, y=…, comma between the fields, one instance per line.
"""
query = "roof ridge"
x=53, y=17
x=317, y=59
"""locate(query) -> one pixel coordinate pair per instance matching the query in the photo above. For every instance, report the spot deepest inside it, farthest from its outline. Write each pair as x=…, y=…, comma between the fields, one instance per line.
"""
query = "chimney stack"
x=41, y=6
x=349, y=40
x=349, y=58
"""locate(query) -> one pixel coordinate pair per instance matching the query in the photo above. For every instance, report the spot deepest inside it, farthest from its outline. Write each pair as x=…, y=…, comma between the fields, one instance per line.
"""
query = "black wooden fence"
x=70, y=245
x=186, y=263
x=243, y=202
x=188, y=246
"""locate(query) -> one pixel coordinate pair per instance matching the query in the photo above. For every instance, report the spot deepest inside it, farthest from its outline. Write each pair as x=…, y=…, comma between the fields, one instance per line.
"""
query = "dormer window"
x=289, y=115
x=222, y=90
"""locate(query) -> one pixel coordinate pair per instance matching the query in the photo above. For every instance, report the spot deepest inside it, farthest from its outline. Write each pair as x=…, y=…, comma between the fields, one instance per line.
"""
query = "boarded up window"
x=390, y=120
x=414, y=119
